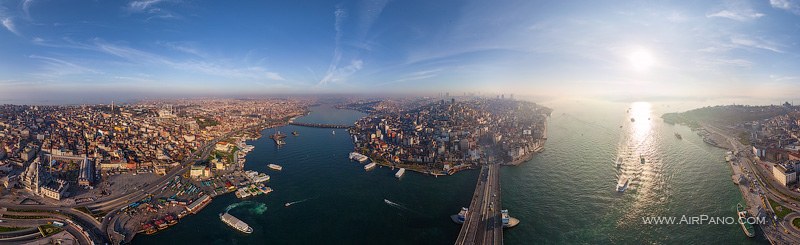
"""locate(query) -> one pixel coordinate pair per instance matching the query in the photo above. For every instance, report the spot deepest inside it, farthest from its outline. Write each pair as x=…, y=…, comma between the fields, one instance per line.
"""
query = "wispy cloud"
x=736, y=10
x=59, y=67
x=788, y=5
x=8, y=23
x=182, y=47
x=138, y=56
x=745, y=15
x=414, y=76
x=142, y=5
x=756, y=43
x=26, y=8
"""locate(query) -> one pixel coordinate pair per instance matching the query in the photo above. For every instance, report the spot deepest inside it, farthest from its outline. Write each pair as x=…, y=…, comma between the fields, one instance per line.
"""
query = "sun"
x=641, y=60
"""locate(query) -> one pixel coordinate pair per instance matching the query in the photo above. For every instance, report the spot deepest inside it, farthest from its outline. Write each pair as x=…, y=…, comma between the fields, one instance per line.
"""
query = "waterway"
x=564, y=195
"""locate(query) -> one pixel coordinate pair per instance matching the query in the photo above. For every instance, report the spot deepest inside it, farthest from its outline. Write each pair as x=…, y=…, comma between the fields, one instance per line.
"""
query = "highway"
x=483, y=224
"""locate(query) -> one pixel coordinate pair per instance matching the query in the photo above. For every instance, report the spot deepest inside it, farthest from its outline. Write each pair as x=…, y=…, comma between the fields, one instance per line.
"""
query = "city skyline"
x=58, y=51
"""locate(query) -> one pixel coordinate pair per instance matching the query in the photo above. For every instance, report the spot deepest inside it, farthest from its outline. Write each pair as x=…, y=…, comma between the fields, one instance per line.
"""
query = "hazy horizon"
x=91, y=52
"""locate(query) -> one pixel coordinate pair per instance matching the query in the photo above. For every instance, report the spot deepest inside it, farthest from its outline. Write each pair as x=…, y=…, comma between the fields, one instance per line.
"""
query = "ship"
x=677, y=135
x=622, y=184
x=369, y=166
x=619, y=162
x=278, y=138
x=235, y=223
x=508, y=221
x=400, y=173
x=461, y=216
x=275, y=167
x=333, y=132
x=633, y=120
x=295, y=133
x=746, y=226
x=641, y=159
x=729, y=156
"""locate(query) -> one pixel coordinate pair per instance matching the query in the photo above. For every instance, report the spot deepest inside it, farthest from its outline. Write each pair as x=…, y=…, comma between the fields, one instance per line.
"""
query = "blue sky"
x=110, y=49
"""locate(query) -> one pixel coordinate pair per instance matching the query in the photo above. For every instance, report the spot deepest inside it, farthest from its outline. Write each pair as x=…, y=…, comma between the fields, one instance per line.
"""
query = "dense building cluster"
x=73, y=144
x=444, y=136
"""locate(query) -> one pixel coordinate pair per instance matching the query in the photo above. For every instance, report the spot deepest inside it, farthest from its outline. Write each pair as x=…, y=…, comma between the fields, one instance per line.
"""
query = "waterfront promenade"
x=483, y=224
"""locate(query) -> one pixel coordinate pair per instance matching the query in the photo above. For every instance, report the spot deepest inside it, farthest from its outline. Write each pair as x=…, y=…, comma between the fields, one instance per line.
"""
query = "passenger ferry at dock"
x=275, y=167
x=400, y=173
x=461, y=216
x=369, y=166
x=746, y=226
x=235, y=223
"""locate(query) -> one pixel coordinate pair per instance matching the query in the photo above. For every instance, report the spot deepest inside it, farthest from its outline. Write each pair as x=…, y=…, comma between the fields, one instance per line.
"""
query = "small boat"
x=622, y=184
x=619, y=162
x=295, y=133
x=633, y=120
x=677, y=135
x=641, y=159
x=333, y=132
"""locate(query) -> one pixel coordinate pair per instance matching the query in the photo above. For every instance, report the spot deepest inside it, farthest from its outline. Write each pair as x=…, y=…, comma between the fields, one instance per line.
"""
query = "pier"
x=318, y=125
x=483, y=224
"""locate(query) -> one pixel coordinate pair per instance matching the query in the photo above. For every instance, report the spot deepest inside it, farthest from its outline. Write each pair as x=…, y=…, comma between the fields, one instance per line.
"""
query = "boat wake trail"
x=399, y=206
x=255, y=207
x=296, y=202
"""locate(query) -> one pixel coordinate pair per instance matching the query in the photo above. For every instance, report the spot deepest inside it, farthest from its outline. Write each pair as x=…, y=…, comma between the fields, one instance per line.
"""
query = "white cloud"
x=9, y=24
x=788, y=5
x=741, y=15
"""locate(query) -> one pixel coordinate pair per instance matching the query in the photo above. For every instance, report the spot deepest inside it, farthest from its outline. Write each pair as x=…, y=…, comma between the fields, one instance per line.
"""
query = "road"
x=760, y=179
x=483, y=224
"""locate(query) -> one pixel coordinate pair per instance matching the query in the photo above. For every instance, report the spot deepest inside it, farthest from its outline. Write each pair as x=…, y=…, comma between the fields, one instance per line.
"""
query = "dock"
x=484, y=224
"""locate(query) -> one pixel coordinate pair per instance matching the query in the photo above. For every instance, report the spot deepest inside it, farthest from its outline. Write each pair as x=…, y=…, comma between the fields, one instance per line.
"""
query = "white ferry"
x=400, y=173
x=369, y=166
x=275, y=167
x=235, y=223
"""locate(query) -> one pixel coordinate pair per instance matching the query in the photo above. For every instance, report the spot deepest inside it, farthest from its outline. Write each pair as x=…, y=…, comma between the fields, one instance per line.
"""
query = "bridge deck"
x=483, y=224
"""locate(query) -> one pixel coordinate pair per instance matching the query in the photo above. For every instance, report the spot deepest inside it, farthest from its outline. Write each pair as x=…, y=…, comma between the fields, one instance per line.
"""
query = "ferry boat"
x=275, y=167
x=508, y=221
x=677, y=135
x=461, y=216
x=400, y=173
x=235, y=223
x=746, y=227
x=619, y=162
x=622, y=184
x=369, y=166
